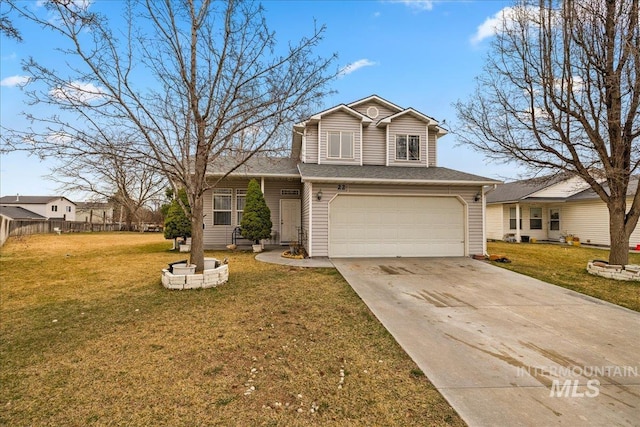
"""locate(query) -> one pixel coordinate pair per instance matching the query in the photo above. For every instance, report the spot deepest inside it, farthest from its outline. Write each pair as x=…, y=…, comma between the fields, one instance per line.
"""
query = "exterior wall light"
x=477, y=197
x=319, y=195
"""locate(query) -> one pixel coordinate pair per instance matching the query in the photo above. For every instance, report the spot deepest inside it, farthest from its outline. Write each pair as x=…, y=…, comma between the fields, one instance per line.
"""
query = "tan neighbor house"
x=551, y=209
x=362, y=181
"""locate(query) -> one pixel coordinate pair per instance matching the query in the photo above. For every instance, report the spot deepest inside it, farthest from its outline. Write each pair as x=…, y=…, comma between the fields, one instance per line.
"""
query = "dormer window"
x=340, y=145
x=407, y=147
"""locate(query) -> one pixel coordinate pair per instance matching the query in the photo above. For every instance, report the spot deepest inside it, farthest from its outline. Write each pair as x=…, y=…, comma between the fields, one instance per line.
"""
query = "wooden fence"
x=26, y=227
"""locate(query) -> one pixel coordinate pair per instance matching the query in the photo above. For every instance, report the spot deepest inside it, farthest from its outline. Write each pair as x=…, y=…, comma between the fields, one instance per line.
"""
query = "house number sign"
x=342, y=187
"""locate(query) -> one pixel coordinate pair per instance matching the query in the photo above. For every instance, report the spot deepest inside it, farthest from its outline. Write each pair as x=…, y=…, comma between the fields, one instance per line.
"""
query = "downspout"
x=484, y=220
x=310, y=233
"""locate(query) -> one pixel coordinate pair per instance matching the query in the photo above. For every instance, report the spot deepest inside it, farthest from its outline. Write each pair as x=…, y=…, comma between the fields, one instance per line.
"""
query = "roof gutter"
x=394, y=181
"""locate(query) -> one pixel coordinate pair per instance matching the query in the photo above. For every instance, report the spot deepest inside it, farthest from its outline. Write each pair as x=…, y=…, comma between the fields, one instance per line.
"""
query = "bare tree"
x=111, y=174
x=7, y=27
x=561, y=94
x=195, y=80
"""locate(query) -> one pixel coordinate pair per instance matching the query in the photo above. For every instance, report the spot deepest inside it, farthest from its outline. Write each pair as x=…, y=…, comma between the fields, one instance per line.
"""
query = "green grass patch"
x=566, y=266
x=90, y=337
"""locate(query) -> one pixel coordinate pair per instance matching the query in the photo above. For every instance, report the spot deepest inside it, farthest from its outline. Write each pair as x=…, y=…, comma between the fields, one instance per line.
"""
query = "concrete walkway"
x=273, y=256
x=505, y=349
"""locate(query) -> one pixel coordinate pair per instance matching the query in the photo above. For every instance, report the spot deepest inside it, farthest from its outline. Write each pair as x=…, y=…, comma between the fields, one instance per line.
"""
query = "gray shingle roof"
x=589, y=194
x=389, y=174
x=16, y=212
x=256, y=167
x=517, y=190
x=29, y=200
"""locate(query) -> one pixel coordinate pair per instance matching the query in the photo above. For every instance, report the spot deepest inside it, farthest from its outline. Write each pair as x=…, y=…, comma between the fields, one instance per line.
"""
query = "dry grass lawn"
x=90, y=337
x=566, y=266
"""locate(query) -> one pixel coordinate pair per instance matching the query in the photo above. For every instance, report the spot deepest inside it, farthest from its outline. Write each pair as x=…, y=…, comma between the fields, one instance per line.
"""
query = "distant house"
x=94, y=212
x=362, y=181
x=550, y=209
x=19, y=213
x=50, y=207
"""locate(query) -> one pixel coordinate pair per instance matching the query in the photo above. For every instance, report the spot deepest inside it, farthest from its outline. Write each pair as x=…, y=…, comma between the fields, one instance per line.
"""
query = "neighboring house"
x=18, y=213
x=50, y=207
x=551, y=209
x=362, y=181
x=94, y=212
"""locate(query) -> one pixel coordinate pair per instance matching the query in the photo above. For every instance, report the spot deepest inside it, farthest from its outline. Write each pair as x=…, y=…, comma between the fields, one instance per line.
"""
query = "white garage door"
x=390, y=226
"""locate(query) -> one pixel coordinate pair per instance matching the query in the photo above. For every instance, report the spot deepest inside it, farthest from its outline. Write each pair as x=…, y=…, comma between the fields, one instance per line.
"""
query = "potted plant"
x=256, y=218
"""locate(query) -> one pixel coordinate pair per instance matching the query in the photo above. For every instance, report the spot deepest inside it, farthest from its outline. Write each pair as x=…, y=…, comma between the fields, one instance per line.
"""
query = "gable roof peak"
x=378, y=99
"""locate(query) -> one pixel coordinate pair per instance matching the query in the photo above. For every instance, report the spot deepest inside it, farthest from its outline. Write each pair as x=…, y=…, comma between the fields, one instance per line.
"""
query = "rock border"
x=617, y=272
x=208, y=279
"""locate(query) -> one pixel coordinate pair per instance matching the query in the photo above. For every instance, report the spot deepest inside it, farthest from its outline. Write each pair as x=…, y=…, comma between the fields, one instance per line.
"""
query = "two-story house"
x=50, y=207
x=362, y=181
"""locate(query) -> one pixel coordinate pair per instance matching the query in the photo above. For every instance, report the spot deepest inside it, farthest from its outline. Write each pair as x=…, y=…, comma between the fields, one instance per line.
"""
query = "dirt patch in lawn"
x=90, y=337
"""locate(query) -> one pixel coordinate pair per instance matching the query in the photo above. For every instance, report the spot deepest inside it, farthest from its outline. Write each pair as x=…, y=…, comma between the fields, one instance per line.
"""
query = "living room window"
x=407, y=147
x=512, y=218
x=222, y=206
x=535, y=219
x=340, y=145
x=241, y=199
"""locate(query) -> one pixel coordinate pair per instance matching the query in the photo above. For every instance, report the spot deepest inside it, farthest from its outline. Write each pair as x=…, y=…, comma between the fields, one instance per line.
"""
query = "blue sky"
x=415, y=53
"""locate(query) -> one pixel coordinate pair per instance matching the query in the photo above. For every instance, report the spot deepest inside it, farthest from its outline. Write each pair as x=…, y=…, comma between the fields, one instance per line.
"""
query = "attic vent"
x=289, y=192
x=372, y=112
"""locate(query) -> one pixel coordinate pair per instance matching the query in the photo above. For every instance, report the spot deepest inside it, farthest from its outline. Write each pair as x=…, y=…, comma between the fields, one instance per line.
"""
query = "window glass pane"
x=222, y=206
x=241, y=198
x=222, y=218
x=334, y=144
x=414, y=147
x=535, y=224
x=401, y=147
x=347, y=145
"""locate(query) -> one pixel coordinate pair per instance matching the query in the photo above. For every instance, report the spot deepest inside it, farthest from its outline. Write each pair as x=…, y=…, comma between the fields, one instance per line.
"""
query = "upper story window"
x=340, y=145
x=407, y=147
x=222, y=206
x=54, y=208
x=68, y=209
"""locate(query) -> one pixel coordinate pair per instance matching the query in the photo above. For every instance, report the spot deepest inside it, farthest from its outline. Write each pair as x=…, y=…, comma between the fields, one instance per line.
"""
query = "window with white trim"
x=340, y=145
x=535, y=219
x=222, y=206
x=68, y=209
x=241, y=199
x=407, y=147
x=512, y=218
x=54, y=208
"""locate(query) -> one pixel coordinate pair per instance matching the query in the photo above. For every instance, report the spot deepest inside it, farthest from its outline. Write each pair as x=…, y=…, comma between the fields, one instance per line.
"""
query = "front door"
x=554, y=224
x=290, y=217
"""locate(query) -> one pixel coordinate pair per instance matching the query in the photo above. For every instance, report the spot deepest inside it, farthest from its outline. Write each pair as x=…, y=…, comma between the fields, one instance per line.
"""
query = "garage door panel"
x=368, y=226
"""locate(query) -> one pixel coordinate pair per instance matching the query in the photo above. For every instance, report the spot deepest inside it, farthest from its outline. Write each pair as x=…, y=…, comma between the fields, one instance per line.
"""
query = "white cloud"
x=14, y=81
x=416, y=4
x=78, y=91
x=360, y=63
x=501, y=20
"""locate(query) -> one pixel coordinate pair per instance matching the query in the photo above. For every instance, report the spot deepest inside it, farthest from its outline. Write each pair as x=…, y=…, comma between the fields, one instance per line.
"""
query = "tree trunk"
x=197, y=233
x=619, y=254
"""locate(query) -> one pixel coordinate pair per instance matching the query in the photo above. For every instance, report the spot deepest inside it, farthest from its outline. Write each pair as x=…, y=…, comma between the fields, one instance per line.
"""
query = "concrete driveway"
x=505, y=349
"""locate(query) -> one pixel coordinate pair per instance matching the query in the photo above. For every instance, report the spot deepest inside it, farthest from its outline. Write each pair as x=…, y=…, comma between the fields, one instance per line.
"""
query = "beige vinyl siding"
x=311, y=143
x=525, y=217
x=383, y=110
x=307, y=189
x=432, y=148
x=339, y=121
x=474, y=236
x=495, y=224
x=220, y=235
x=374, y=144
x=589, y=221
x=407, y=125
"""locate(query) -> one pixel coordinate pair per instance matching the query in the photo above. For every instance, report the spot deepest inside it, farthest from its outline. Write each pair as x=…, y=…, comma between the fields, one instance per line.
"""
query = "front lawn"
x=90, y=337
x=565, y=266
